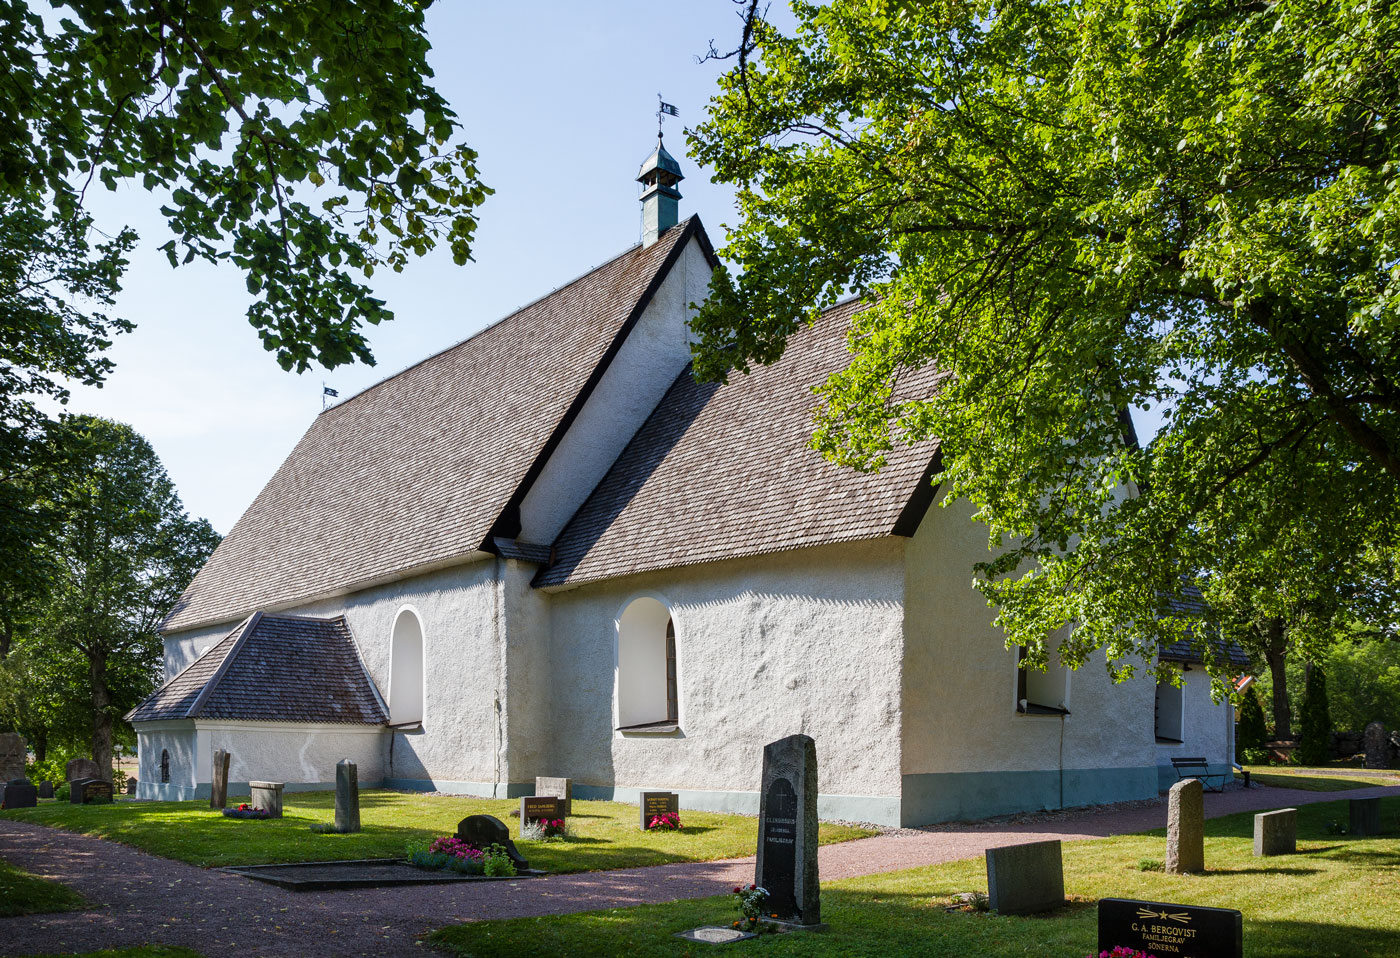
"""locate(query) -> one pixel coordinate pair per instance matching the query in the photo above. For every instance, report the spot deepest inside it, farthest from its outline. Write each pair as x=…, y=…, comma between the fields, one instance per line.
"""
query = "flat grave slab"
x=360, y=873
x=715, y=935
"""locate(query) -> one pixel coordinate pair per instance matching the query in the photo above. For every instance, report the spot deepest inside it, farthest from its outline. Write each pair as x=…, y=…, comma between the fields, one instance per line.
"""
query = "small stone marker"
x=535, y=807
x=19, y=793
x=90, y=791
x=46, y=789
x=658, y=803
x=557, y=788
x=1365, y=817
x=347, y=797
x=267, y=796
x=715, y=935
x=483, y=831
x=1024, y=879
x=787, y=830
x=1276, y=833
x=81, y=769
x=13, y=755
x=131, y=785
x=218, y=782
x=1186, y=825
x=1377, y=746
x=1182, y=931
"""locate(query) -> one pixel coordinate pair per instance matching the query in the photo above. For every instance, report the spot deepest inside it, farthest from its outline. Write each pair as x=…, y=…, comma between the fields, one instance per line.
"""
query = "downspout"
x=497, y=586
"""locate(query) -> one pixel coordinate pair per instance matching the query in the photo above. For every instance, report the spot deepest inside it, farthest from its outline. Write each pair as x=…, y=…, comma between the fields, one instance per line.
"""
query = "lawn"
x=605, y=833
x=1322, y=779
x=1336, y=898
x=24, y=894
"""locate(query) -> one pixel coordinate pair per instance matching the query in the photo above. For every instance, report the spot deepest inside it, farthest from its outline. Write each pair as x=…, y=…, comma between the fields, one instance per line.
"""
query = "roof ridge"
x=249, y=626
x=178, y=675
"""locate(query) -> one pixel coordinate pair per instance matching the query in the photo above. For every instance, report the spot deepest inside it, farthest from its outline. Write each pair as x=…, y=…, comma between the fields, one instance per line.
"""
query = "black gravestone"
x=46, y=789
x=19, y=793
x=533, y=808
x=90, y=791
x=1182, y=931
x=483, y=831
x=787, y=830
x=658, y=803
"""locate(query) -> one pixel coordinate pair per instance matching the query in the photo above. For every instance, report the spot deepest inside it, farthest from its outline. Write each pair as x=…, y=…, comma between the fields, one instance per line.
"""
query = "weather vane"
x=663, y=110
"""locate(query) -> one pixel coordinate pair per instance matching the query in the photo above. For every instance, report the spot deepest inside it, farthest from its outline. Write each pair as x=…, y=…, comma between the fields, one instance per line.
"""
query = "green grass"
x=24, y=894
x=606, y=833
x=1337, y=898
x=1324, y=779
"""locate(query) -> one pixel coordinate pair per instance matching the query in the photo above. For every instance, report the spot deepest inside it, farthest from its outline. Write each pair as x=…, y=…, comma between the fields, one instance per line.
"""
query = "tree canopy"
x=1075, y=208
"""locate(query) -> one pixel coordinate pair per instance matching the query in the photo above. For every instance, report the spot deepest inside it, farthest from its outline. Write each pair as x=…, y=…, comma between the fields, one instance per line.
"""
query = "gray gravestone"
x=13, y=755
x=1024, y=879
x=658, y=803
x=1276, y=833
x=19, y=793
x=131, y=785
x=90, y=791
x=81, y=769
x=1186, y=824
x=347, y=797
x=483, y=831
x=267, y=796
x=1365, y=817
x=557, y=788
x=218, y=782
x=1377, y=746
x=46, y=789
x=787, y=830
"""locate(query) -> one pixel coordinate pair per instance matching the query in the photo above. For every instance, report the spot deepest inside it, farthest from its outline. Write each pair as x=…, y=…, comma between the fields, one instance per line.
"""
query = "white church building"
x=549, y=550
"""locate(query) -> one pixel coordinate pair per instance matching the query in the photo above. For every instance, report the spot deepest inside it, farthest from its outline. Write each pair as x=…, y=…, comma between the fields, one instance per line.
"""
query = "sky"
x=558, y=98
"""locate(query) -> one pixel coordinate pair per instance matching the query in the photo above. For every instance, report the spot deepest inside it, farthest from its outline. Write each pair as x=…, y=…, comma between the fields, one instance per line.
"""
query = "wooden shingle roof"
x=419, y=470
x=719, y=472
x=277, y=668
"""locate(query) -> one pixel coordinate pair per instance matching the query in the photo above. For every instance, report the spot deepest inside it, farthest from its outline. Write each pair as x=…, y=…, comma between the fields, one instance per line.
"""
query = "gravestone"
x=347, y=797
x=557, y=788
x=131, y=785
x=13, y=755
x=218, y=782
x=1276, y=833
x=1377, y=746
x=1364, y=817
x=46, y=789
x=536, y=807
x=483, y=831
x=19, y=793
x=81, y=769
x=1186, y=824
x=787, y=830
x=1024, y=879
x=1182, y=931
x=658, y=803
x=267, y=796
x=90, y=791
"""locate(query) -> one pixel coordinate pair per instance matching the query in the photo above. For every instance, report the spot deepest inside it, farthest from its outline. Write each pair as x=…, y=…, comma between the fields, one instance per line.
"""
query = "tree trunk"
x=101, y=710
x=1276, y=654
x=41, y=744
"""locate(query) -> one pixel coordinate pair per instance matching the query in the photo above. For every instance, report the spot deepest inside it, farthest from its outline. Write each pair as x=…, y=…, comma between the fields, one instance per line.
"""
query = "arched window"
x=406, y=670
x=647, y=691
x=165, y=765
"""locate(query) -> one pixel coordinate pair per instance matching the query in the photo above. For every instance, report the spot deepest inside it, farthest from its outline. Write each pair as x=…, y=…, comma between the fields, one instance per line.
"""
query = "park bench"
x=1197, y=767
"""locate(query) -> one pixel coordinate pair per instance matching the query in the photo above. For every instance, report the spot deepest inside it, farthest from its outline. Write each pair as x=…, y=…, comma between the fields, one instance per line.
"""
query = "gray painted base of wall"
x=165, y=792
x=877, y=809
x=968, y=796
x=1167, y=776
x=476, y=789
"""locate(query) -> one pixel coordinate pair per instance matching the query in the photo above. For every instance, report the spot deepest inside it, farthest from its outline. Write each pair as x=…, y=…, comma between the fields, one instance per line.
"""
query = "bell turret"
x=660, y=198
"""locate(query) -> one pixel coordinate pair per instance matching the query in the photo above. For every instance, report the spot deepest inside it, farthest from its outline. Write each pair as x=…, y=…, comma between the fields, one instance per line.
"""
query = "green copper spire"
x=660, y=208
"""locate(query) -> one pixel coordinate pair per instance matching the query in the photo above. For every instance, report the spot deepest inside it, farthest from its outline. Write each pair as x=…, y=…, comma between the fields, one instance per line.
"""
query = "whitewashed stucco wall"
x=178, y=738
x=805, y=641
x=967, y=752
x=1208, y=728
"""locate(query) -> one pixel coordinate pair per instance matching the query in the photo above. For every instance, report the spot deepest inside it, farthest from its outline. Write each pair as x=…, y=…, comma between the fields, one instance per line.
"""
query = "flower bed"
x=247, y=811
x=450, y=853
x=1121, y=952
x=668, y=822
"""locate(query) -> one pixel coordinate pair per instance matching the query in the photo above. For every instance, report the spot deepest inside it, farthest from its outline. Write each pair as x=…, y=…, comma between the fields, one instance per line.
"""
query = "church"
x=549, y=550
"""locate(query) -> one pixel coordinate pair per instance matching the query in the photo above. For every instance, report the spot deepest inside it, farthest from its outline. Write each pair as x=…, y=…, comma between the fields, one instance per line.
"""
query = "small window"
x=165, y=765
x=648, y=696
x=1040, y=693
x=1169, y=712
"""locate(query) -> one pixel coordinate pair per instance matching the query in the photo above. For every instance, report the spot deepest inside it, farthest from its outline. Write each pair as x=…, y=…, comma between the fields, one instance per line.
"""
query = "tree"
x=1251, y=736
x=1315, y=738
x=1073, y=208
x=125, y=552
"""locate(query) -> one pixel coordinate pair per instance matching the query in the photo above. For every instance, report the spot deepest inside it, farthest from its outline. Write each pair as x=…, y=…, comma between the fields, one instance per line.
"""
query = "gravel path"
x=140, y=898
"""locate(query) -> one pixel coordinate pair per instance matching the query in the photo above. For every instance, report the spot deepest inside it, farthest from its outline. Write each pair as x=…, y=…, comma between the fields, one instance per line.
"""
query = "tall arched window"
x=165, y=765
x=647, y=691
x=406, y=670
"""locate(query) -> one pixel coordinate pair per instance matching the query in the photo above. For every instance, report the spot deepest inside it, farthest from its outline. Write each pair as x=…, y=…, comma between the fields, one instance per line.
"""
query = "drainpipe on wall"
x=497, y=587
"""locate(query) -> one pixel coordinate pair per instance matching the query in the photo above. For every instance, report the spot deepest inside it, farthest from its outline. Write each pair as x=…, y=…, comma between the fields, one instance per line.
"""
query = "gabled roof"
x=275, y=668
x=719, y=472
x=419, y=470
x=1191, y=604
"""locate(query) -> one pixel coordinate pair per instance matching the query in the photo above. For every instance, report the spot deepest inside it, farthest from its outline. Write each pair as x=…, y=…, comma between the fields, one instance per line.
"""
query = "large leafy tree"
x=1074, y=208
x=87, y=650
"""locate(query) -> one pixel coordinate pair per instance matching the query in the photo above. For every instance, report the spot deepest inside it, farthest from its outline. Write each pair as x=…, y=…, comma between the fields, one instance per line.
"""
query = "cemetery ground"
x=1326, y=778
x=24, y=894
x=604, y=835
x=1336, y=897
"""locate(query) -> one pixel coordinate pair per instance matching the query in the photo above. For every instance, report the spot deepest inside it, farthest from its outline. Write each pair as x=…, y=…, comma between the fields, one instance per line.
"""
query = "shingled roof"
x=278, y=668
x=1190, y=603
x=416, y=471
x=721, y=472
